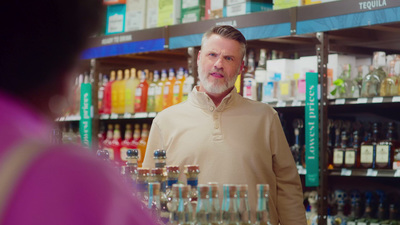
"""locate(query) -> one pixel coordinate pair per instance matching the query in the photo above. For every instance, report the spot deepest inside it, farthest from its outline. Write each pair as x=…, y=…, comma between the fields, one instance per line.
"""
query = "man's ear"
x=198, y=56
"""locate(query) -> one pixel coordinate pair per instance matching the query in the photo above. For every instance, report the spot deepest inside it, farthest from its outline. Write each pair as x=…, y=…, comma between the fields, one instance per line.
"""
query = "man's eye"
x=212, y=54
x=229, y=58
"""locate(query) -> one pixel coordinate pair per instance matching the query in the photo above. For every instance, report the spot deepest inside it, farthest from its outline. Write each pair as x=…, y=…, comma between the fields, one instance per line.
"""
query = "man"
x=43, y=183
x=234, y=140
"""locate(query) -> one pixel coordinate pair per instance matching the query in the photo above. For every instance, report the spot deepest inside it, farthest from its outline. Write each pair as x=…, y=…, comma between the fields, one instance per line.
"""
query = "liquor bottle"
x=296, y=149
x=77, y=96
x=355, y=211
x=192, y=173
x=135, y=141
x=160, y=158
x=372, y=81
x=131, y=166
x=262, y=212
x=121, y=92
x=108, y=94
x=172, y=178
x=151, y=92
x=352, y=154
x=127, y=142
x=101, y=136
x=230, y=210
x=390, y=85
x=340, y=218
x=392, y=216
x=368, y=149
x=142, y=144
x=154, y=204
x=130, y=91
x=215, y=209
x=385, y=149
x=187, y=85
x=141, y=184
x=160, y=91
x=178, y=86
x=338, y=153
x=243, y=204
x=107, y=142
x=182, y=209
x=157, y=175
x=368, y=208
x=100, y=94
x=330, y=146
x=203, y=205
x=169, y=89
x=141, y=94
x=381, y=211
x=116, y=145
x=115, y=107
x=261, y=73
x=249, y=83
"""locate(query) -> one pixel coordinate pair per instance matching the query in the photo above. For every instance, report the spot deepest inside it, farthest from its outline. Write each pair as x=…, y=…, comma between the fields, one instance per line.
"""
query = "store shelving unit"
x=355, y=27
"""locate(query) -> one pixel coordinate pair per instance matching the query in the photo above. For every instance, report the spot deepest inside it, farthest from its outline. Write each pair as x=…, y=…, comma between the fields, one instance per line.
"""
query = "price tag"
x=340, y=101
x=62, y=118
x=140, y=115
x=127, y=115
x=104, y=116
x=281, y=103
x=397, y=173
x=345, y=172
x=152, y=114
x=396, y=99
x=377, y=99
x=114, y=116
x=372, y=173
x=296, y=103
x=362, y=100
x=351, y=223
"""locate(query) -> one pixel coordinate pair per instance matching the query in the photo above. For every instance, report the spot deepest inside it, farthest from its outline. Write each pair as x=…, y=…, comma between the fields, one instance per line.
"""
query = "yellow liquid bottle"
x=121, y=92
x=115, y=93
x=130, y=90
x=169, y=89
x=151, y=92
x=160, y=91
x=178, y=86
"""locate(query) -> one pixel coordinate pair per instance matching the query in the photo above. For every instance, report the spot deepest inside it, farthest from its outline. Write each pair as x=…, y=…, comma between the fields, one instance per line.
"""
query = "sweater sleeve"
x=289, y=189
x=154, y=142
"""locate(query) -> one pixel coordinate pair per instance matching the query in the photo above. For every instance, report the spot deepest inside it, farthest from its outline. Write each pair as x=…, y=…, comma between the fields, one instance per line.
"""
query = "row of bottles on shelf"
x=112, y=141
x=173, y=202
x=354, y=145
x=355, y=207
x=379, y=79
x=132, y=90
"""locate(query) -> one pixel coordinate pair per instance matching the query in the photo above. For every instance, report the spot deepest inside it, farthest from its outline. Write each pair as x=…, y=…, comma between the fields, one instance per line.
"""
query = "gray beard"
x=214, y=88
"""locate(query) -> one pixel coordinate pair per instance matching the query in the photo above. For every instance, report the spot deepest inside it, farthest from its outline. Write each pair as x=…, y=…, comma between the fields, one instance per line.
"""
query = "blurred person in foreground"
x=234, y=140
x=43, y=183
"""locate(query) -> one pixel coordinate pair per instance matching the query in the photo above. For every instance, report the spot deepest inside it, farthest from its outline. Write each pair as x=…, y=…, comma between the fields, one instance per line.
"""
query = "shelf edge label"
x=312, y=130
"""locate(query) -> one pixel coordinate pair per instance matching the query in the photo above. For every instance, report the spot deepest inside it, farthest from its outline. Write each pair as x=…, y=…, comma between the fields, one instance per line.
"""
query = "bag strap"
x=15, y=162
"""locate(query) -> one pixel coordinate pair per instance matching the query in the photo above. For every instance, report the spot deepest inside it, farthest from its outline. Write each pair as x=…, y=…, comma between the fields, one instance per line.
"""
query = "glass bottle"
x=172, y=178
x=187, y=85
x=262, y=212
x=338, y=153
x=203, y=205
x=100, y=93
x=158, y=175
x=390, y=85
x=160, y=157
x=160, y=91
x=372, y=81
x=142, y=143
x=192, y=173
x=178, y=86
x=116, y=144
x=182, y=209
x=352, y=154
x=261, y=73
x=108, y=140
x=131, y=166
x=108, y=94
x=215, y=210
x=230, y=210
x=385, y=149
x=168, y=89
x=115, y=107
x=151, y=92
x=130, y=90
x=296, y=148
x=141, y=93
x=243, y=204
x=126, y=143
x=368, y=149
x=141, y=184
x=154, y=198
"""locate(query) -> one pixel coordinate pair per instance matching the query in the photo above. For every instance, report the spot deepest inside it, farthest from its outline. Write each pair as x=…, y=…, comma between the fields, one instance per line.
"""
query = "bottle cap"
x=192, y=169
x=230, y=190
x=213, y=189
x=181, y=190
x=132, y=153
x=157, y=171
x=172, y=169
x=143, y=171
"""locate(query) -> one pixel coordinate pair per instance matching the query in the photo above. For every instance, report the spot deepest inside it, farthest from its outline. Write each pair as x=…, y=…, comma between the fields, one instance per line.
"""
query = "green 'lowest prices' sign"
x=312, y=130
x=85, y=124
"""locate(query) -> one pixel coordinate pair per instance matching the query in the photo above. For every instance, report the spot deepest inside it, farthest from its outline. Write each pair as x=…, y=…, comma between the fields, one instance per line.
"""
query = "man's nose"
x=219, y=63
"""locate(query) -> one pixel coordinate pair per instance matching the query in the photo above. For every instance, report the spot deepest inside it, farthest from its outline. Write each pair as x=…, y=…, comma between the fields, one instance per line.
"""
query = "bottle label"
x=350, y=157
x=337, y=156
x=138, y=92
x=366, y=154
x=151, y=91
x=158, y=90
x=166, y=90
x=176, y=89
x=123, y=154
x=382, y=153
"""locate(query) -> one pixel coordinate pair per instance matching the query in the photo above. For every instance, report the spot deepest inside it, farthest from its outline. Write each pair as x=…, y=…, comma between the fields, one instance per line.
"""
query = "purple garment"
x=65, y=185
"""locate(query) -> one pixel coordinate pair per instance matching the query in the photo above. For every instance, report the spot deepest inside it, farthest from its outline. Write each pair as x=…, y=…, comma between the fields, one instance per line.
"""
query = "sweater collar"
x=202, y=100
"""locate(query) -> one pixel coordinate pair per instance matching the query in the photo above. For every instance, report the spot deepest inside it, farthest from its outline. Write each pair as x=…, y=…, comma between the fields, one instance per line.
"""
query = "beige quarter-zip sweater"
x=239, y=142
